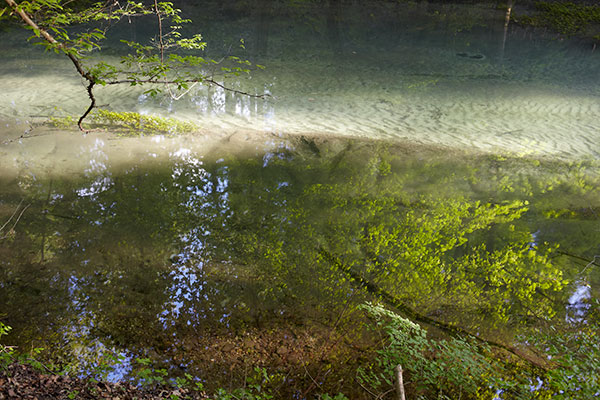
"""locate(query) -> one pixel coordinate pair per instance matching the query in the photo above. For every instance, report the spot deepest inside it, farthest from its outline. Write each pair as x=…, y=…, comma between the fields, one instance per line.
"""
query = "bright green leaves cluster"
x=447, y=255
x=9, y=354
x=6, y=352
x=169, y=61
x=145, y=65
x=57, y=17
x=434, y=253
x=173, y=58
x=193, y=43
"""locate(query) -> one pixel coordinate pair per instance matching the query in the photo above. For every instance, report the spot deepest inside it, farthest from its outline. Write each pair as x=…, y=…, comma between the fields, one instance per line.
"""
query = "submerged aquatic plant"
x=133, y=123
x=566, y=18
x=130, y=123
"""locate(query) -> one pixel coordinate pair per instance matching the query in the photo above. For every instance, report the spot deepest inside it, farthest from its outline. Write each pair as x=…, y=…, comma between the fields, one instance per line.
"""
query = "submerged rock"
x=474, y=56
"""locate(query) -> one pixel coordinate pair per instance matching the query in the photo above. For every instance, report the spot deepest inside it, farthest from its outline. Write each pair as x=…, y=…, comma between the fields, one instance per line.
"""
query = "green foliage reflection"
x=175, y=256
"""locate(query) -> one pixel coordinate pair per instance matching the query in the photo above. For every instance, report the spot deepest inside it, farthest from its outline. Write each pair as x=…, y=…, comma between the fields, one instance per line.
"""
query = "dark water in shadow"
x=212, y=265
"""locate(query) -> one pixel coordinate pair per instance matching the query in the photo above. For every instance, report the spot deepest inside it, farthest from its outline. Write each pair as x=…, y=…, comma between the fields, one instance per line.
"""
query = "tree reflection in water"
x=191, y=256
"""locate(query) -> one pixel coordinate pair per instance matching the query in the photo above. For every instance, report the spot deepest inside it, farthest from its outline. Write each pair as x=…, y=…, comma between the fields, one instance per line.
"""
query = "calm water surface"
x=429, y=74
x=440, y=161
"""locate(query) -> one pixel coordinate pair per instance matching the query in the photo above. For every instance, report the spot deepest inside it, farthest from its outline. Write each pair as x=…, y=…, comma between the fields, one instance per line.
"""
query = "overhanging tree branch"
x=166, y=69
x=209, y=81
x=76, y=62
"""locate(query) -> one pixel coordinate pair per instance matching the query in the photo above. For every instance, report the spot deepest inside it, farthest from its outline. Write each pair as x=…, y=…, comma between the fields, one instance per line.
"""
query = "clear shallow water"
x=203, y=251
x=386, y=71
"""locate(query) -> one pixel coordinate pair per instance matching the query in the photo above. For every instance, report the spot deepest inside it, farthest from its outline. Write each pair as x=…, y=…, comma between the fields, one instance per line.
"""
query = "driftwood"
x=418, y=317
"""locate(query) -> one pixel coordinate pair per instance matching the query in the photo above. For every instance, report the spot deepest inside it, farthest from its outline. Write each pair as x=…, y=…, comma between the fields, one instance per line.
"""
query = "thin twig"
x=365, y=389
x=45, y=221
x=593, y=262
x=179, y=96
x=160, y=33
x=16, y=222
x=259, y=96
x=23, y=137
x=207, y=80
x=310, y=376
x=564, y=253
x=13, y=214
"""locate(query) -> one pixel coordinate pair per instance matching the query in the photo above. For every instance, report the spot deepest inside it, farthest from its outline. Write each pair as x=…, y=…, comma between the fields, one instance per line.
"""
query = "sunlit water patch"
x=380, y=71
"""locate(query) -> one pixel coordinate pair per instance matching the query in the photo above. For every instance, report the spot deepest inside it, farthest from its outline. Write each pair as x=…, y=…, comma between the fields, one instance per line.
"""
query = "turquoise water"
x=413, y=146
x=435, y=75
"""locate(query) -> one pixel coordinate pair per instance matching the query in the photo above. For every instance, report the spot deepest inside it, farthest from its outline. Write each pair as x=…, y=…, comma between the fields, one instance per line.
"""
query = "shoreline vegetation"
x=435, y=367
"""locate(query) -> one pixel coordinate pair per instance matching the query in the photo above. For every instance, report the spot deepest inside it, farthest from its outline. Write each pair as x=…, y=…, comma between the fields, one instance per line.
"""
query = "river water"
x=446, y=160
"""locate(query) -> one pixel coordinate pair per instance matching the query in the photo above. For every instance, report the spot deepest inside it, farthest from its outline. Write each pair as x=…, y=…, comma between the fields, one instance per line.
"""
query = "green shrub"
x=565, y=17
x=453, y=368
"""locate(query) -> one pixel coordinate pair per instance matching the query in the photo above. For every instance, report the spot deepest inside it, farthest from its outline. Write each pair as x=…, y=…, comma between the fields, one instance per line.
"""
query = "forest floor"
x=20, y=381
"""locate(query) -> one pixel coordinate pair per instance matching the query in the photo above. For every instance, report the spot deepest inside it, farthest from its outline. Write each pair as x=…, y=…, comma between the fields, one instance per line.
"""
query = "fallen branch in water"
x=575, y=256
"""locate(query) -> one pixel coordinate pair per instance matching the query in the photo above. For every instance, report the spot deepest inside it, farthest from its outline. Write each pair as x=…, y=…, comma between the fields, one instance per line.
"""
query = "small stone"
x=294, y=359
x=228, y=347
